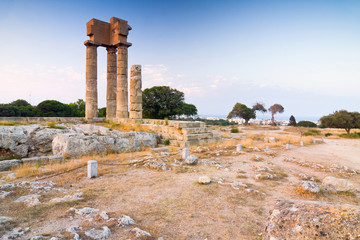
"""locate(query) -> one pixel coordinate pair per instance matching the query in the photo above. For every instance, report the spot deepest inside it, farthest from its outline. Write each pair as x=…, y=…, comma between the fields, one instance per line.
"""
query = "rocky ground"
x=216, y=193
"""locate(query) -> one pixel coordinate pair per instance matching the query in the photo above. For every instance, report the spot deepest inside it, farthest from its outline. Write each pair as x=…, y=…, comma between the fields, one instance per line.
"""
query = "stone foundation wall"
x=180, y=133
x=47, y=119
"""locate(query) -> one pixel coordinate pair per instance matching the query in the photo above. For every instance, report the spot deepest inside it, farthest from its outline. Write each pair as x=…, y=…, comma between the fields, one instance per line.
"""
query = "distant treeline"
x=47, y=108
x=220, y=122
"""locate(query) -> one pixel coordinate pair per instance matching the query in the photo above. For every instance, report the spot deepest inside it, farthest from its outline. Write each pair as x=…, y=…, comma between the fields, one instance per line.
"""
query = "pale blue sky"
x=304, y=55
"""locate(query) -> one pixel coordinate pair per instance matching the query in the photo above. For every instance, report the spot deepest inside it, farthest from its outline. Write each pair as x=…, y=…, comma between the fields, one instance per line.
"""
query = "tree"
x=20, y=103
x=242, y=111
x=259, y=107
x=102, y=112
x=77, y=108
x=306, y=124
x=164, y=102
x=342, y=119
x=276, y=108
x=292, y=121
x=24, y=108
x=52, y=108
x=6, y=110
x=189, y=109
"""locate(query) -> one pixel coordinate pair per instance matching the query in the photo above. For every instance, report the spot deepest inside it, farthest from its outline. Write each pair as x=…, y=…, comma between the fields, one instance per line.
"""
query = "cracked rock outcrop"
x=295, y=219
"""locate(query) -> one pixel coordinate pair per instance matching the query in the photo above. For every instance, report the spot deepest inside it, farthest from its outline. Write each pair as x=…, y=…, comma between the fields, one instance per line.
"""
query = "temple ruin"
x=113, y=36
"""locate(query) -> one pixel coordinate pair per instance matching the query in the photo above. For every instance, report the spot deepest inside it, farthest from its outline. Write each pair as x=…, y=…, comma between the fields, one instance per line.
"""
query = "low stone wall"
x=180, y=133
x=47, y=119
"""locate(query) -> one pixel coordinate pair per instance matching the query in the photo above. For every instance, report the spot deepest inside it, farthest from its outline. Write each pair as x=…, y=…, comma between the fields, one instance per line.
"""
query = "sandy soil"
x=173, y=205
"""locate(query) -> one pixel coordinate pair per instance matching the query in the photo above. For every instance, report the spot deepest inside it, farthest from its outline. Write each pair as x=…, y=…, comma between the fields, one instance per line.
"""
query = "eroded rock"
x=98, y=234
x=140, y=233
x=191, y=160
x=309, y=186
x=125, y=221
x=295, y=219
x=67, y=198
x=204, y=180
x=333, y=184
x=29, y=200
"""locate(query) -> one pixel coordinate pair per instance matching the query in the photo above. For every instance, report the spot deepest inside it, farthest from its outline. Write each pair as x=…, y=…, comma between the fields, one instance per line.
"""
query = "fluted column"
x=91, y=99
x=122, y=82
x=135, y=92
x=111, y=83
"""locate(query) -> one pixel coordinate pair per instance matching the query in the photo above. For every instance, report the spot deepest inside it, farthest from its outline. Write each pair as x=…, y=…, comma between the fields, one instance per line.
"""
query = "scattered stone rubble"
x=68, y=198
x=15, y=233
x=333, y=168
x=309, y=186
x=191, y=160
x=98, y=234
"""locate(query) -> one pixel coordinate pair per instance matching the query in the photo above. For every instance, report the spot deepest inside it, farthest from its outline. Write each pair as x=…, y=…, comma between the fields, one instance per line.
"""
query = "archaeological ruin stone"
x=92, y=169
x=113, y=36
x=135, y=92
x=296, y=219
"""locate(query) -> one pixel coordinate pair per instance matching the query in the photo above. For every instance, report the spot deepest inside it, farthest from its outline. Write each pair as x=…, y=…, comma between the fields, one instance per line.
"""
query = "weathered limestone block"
x=333, y=184
x=7, y=164
x=41, y=140
x=295, y=219
x=97, y=140
x=135, y=92
x=111, y=83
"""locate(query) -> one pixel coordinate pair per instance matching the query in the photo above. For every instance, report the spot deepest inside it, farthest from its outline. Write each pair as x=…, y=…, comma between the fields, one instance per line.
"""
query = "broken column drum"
x=135, y=92
x=113, y=36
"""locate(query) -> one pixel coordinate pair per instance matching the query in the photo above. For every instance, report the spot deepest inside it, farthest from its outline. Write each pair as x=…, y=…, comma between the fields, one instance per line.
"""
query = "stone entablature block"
x=108, y=34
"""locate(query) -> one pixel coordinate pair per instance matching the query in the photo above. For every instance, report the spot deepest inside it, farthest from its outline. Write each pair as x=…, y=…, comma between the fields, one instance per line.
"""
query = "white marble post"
x=185, y=153
x=92, y=169
x=238, y=148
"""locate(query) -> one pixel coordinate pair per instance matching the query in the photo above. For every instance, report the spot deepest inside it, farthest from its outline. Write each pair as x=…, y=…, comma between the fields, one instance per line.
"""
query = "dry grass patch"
x=124, y=127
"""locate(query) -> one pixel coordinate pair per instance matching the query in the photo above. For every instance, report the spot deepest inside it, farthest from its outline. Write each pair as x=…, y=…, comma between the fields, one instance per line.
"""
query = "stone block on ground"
x=333, y=184
x=191, y=160
x=7, y=164
x=204, y=180
x=309, y=186
x=296, y=219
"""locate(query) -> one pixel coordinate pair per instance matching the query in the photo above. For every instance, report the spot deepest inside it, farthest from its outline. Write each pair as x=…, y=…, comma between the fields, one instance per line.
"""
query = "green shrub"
x=234, y=130
x=166, y=141
x=312, y=132
x=9, y=123
x=350, y=135
x=328, y=134
x=306, y=124
x=54, y=125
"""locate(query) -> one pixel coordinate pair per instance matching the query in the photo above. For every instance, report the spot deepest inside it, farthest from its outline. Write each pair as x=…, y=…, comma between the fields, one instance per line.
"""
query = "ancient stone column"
x=122, y=82
x=111, y=83
x=91, y=99
x=135, y=92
